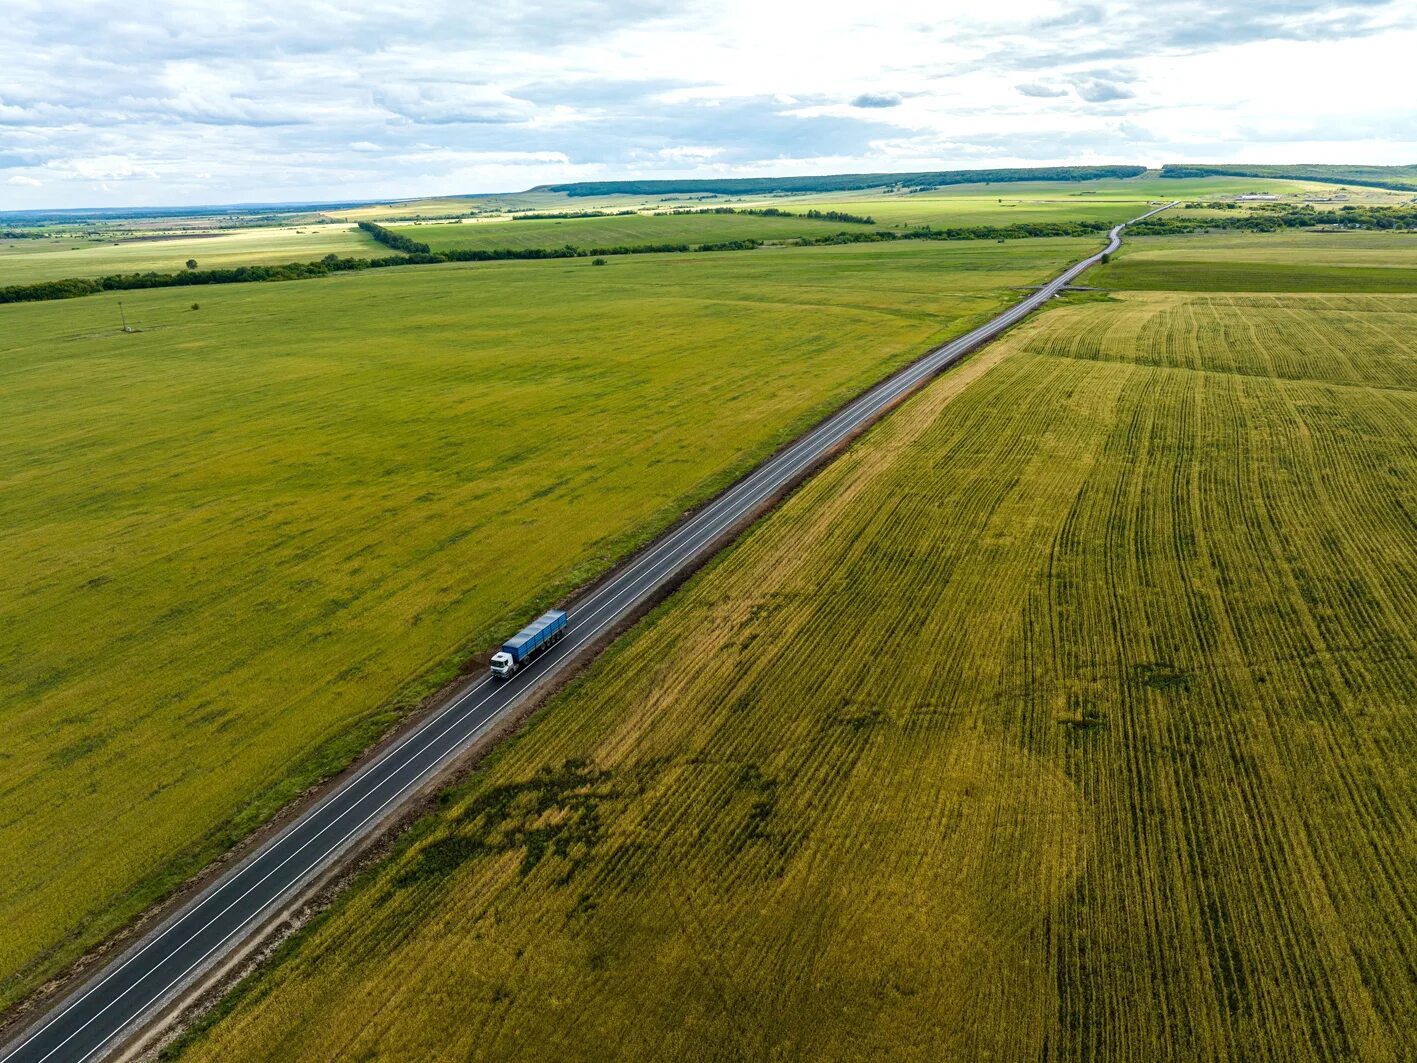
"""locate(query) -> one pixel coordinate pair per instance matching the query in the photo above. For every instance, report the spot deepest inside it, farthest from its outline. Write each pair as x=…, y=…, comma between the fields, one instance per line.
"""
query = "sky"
x=131, y=102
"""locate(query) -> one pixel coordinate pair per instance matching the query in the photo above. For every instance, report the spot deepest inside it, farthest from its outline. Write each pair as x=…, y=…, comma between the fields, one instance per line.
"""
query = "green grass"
x=1287, y=246
x=1070, y=715
x=30, y=261
x=1253, y=277
x=1265, y=262
x=239, y=540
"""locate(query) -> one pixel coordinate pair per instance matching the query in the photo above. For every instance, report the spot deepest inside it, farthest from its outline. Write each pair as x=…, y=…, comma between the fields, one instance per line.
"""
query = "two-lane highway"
x=176, y=954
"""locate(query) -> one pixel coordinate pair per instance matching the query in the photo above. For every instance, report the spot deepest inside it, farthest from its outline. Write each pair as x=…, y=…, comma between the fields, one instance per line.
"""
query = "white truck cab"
x=534, y=639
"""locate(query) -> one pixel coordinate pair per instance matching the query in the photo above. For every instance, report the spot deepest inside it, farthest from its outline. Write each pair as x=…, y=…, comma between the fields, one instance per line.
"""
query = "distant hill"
x=1403, y=178
x=844, y=182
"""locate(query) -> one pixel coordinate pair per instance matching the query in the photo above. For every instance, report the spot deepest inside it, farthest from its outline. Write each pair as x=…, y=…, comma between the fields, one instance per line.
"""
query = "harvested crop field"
x=1069, y=716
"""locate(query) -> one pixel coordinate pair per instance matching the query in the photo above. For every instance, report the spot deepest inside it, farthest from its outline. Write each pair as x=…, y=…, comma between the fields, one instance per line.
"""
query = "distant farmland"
x=627, y=230
x=238, y=542
x=1402, y=177
x=1110, y=200
x=1069, y=716
x=29, y=261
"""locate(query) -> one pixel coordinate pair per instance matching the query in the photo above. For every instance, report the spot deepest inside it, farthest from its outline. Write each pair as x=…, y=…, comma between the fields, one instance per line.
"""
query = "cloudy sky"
x=124, y=102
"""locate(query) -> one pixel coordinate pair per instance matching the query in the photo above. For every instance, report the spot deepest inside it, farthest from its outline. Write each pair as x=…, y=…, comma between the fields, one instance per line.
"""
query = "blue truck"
x=537, y=637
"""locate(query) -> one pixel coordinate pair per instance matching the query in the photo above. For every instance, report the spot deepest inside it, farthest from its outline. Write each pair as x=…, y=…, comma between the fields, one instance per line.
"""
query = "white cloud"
x=1040, y=91
x=689, y=153
x=26, y=182
x=877, y=99
x=103, y=168
x=1101, y=90
x=112, y=102
x=452, y=103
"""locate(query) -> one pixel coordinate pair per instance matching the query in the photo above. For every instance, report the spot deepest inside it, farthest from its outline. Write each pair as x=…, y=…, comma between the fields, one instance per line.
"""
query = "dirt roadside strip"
x=200, y=940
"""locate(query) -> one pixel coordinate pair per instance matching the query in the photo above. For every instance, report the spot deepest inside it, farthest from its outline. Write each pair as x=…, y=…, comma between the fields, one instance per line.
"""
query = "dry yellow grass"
x=1067, y=717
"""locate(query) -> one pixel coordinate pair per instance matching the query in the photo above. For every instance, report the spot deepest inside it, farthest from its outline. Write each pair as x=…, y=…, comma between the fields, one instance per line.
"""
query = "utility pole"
x=123, y=316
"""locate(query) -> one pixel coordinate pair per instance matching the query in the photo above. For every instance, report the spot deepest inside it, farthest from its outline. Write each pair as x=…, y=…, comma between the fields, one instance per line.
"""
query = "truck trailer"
x=537, y=637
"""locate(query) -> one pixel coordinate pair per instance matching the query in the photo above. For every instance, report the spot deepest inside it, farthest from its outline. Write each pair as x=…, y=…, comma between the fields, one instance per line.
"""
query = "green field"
x=1265, y=262
x=1401, y=177
x=1069, y=716
x=1102, y=200
x=1107, y=200
x=121, y=251
x=239, y=540
x=30, y=261
x=967, y=205
x=626, y=231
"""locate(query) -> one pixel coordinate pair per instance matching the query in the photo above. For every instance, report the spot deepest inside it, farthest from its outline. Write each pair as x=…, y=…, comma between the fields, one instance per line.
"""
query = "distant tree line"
x=397, y=241
x=842, y=182
x=1020, y=231
x=24, y=234
x=565, y=214
x=1403, y=178
x=1273, y=220
x=776, y=212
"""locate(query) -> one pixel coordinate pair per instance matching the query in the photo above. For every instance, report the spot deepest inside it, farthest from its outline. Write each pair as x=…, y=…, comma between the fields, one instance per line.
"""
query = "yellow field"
x=30, y=261
x=1070, y=716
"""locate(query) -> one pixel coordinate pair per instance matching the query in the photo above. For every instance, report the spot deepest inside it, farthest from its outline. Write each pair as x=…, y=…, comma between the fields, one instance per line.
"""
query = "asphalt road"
x=172, y=956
